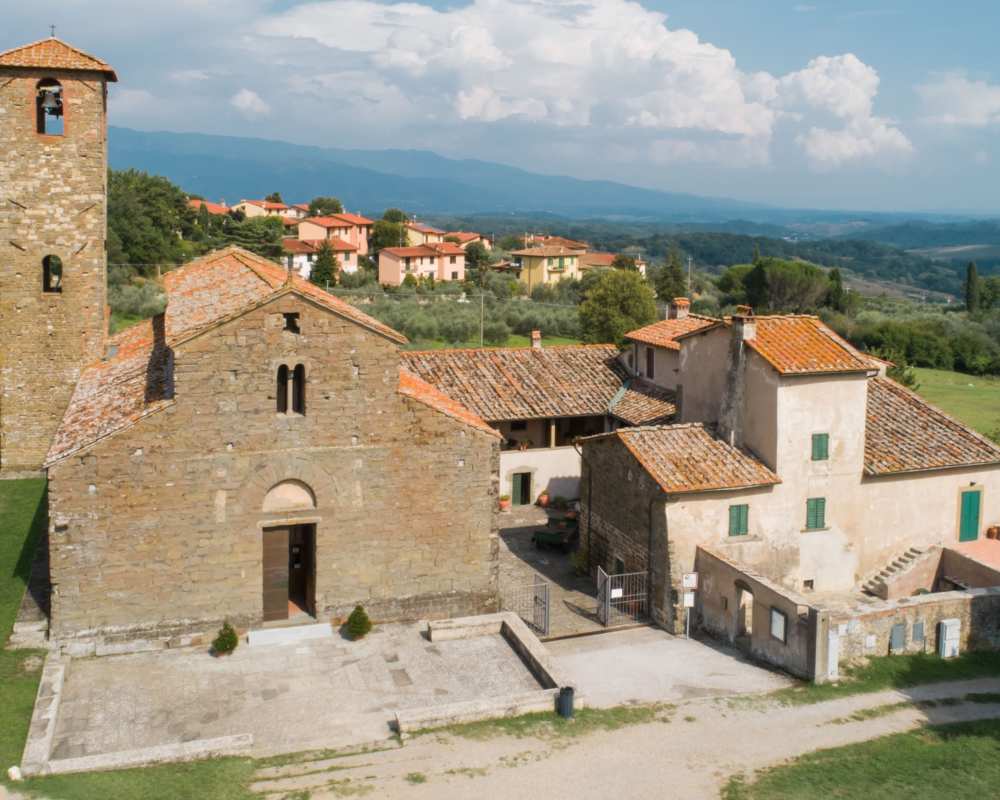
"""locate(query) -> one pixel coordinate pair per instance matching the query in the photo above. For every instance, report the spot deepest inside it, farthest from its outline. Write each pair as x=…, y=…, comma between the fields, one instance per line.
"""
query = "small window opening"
x=619, y=567
x=292, y=323
x=809, y=584
x=49, y=107
x=281, y=392
x=52, y=274
x=299, y=389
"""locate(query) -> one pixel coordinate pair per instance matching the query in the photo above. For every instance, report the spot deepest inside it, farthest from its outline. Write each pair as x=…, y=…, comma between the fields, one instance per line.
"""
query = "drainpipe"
x=649, y=548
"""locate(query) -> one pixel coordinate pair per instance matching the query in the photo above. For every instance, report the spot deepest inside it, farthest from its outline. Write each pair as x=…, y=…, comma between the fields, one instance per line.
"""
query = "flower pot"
x=505, y=505
x=543, y=499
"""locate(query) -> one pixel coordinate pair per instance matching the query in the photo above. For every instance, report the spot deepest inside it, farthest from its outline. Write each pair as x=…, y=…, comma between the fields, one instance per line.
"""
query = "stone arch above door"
x=288, y=471
x=289, y=495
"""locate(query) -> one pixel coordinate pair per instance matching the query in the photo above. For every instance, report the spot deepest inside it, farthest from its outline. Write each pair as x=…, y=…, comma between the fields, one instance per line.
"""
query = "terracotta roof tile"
x=643, y=403
x=213, y=208
x=55, y=54
x=597, y=259
x=432, y=249
x=421, y=391
x=421, y=228
x=545, y=251
x=328, y=222
x=665, y=332
x=354, y=219
x=557, y=241
x=904, y=433
x=804, y=345
x=135, y=379
x=465, y=237
x=525, y=383
x=689, y=458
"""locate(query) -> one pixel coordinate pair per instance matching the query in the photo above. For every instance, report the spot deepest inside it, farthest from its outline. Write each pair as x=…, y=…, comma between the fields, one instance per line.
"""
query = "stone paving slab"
x=317, y=693
x=572, y=598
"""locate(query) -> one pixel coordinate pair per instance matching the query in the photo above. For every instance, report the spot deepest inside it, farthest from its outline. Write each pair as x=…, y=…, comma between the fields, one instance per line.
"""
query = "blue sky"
x=882, y=105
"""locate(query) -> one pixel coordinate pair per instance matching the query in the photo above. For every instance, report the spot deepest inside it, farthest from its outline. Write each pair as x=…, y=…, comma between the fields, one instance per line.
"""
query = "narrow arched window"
x=52, y=274
x=299, y=389
x=281, y=392
x=49, y=107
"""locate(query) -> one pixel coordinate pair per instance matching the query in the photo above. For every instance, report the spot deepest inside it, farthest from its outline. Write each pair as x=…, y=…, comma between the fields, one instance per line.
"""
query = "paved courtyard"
x=650, y=665
x=572, y=598
x=316, y=693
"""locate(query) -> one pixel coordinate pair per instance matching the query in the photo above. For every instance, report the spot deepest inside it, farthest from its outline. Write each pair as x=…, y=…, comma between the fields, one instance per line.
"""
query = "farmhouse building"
x=795, y=461
x=540, y=400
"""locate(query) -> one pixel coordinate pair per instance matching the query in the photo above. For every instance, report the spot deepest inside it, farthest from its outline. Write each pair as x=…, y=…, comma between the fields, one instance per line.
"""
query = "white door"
x=832, y=655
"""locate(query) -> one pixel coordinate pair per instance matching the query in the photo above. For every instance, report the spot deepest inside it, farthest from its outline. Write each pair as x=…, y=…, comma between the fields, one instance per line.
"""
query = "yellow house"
x=546, y=264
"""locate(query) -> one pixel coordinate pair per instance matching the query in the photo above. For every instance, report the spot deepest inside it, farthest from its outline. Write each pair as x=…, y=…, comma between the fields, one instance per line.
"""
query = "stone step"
x=289, y=635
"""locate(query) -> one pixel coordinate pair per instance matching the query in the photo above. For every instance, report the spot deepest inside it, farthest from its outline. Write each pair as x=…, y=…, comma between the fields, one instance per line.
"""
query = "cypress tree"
x=972, y=288
x=758, y=287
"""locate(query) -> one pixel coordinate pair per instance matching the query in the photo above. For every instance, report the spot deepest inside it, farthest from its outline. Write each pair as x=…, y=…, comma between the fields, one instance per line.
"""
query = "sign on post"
x=690, y=580
x=688, y=599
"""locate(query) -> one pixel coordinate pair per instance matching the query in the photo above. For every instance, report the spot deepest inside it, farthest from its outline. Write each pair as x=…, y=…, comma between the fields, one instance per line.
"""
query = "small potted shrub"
x=543, y=498
x=358, y=624
x=226, y=642
x=505, y=502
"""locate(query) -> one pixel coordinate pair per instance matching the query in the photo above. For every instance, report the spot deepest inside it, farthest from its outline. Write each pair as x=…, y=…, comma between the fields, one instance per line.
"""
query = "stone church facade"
x=256, y=453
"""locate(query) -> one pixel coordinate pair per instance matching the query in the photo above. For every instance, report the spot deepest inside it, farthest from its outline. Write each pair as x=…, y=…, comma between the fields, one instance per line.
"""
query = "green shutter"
x=968, y=529
x=820, y=446
x=816, y=513
x=739, y=520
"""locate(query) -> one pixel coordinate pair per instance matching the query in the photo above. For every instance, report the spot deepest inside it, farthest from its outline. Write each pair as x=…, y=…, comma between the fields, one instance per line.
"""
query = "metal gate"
x=621, y=599
x=530, y=603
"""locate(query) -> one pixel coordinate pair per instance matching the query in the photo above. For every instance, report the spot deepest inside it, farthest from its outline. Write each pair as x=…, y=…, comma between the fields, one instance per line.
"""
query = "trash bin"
x=565, y=703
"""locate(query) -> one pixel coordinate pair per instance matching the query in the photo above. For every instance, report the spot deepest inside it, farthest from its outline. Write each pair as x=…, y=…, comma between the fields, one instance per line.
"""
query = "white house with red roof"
x=300, y=255
x=261, y=208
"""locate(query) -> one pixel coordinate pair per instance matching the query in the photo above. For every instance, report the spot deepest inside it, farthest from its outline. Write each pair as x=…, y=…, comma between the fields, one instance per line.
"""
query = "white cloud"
x=951, y=98
x=844, y=88
x=610, y=69
x=249, y=103
x=189, y=75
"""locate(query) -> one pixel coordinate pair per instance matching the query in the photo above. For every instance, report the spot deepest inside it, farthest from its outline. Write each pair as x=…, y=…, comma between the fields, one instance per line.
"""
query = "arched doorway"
x=288, y=554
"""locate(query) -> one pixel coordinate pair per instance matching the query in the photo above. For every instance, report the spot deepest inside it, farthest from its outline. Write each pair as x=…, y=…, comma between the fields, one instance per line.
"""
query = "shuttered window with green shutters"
x=739, y=520
x=815, y=513
x=820, y=446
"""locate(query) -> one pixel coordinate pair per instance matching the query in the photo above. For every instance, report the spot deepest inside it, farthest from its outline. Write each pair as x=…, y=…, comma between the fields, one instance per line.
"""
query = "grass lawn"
x=961, y=760
x=514, y=340
x=23, y=513
x=973, y=400
x=895, y=672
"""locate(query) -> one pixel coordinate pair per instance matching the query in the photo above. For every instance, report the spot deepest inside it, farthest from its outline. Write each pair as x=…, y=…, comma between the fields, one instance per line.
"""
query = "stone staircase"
x=877, y=585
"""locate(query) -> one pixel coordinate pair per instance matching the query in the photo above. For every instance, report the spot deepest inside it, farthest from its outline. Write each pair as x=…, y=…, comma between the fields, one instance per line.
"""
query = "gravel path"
x=690, y=756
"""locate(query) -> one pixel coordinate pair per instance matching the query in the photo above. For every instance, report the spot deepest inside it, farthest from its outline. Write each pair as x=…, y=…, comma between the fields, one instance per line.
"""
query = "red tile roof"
x=557, y=241
x=685, y=459
x=545, y=251
x=597, y=259
x=466, y=237
x=306, y=246
x=328, y=222
x=904, y=433
x=354, y=219
x=266, y=204
x=508, y=383
x=644, y=403
x=213, y=208
x=665, y=332
x=55, y=54
x=421, y=228
x=421, y=391
x=135, y=380
x=798, y=344
x=432, y=249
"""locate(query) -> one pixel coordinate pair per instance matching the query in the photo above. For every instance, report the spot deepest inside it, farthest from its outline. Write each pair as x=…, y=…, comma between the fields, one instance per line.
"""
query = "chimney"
x=678, y=308
x=743, y=330
x=536, y=340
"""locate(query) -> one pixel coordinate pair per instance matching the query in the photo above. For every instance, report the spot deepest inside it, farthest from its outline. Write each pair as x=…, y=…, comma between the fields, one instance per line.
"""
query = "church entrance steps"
x=289, y=634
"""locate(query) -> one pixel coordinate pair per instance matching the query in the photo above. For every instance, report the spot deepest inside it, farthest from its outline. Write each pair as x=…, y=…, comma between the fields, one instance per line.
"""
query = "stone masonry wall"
x=53, y=203
x=622, y=516
x=157, y=529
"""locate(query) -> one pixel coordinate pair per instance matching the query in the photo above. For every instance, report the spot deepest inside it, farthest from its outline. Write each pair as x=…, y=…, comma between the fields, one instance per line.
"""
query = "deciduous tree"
x=972, y=288
x=618, y=302
x=322, y=206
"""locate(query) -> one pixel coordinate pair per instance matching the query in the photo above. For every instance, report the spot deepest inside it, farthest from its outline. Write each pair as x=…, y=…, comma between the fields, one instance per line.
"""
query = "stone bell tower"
x=53, y=225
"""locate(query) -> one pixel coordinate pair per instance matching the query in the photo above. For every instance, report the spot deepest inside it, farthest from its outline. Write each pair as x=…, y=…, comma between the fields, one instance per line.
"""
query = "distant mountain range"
x=231, y=168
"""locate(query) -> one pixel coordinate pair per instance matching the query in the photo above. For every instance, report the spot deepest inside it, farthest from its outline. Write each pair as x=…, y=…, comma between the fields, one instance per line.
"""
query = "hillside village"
x=264, y=457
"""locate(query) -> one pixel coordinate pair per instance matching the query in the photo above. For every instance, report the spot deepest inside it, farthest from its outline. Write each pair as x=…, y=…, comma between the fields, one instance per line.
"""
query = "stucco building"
x=794, y=457
x=442, y=262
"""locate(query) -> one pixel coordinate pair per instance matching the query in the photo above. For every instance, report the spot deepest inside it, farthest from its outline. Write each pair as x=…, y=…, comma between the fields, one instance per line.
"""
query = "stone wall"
x=157, y=529
x=622, y=517
x=868, y=631
x=54, y=203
